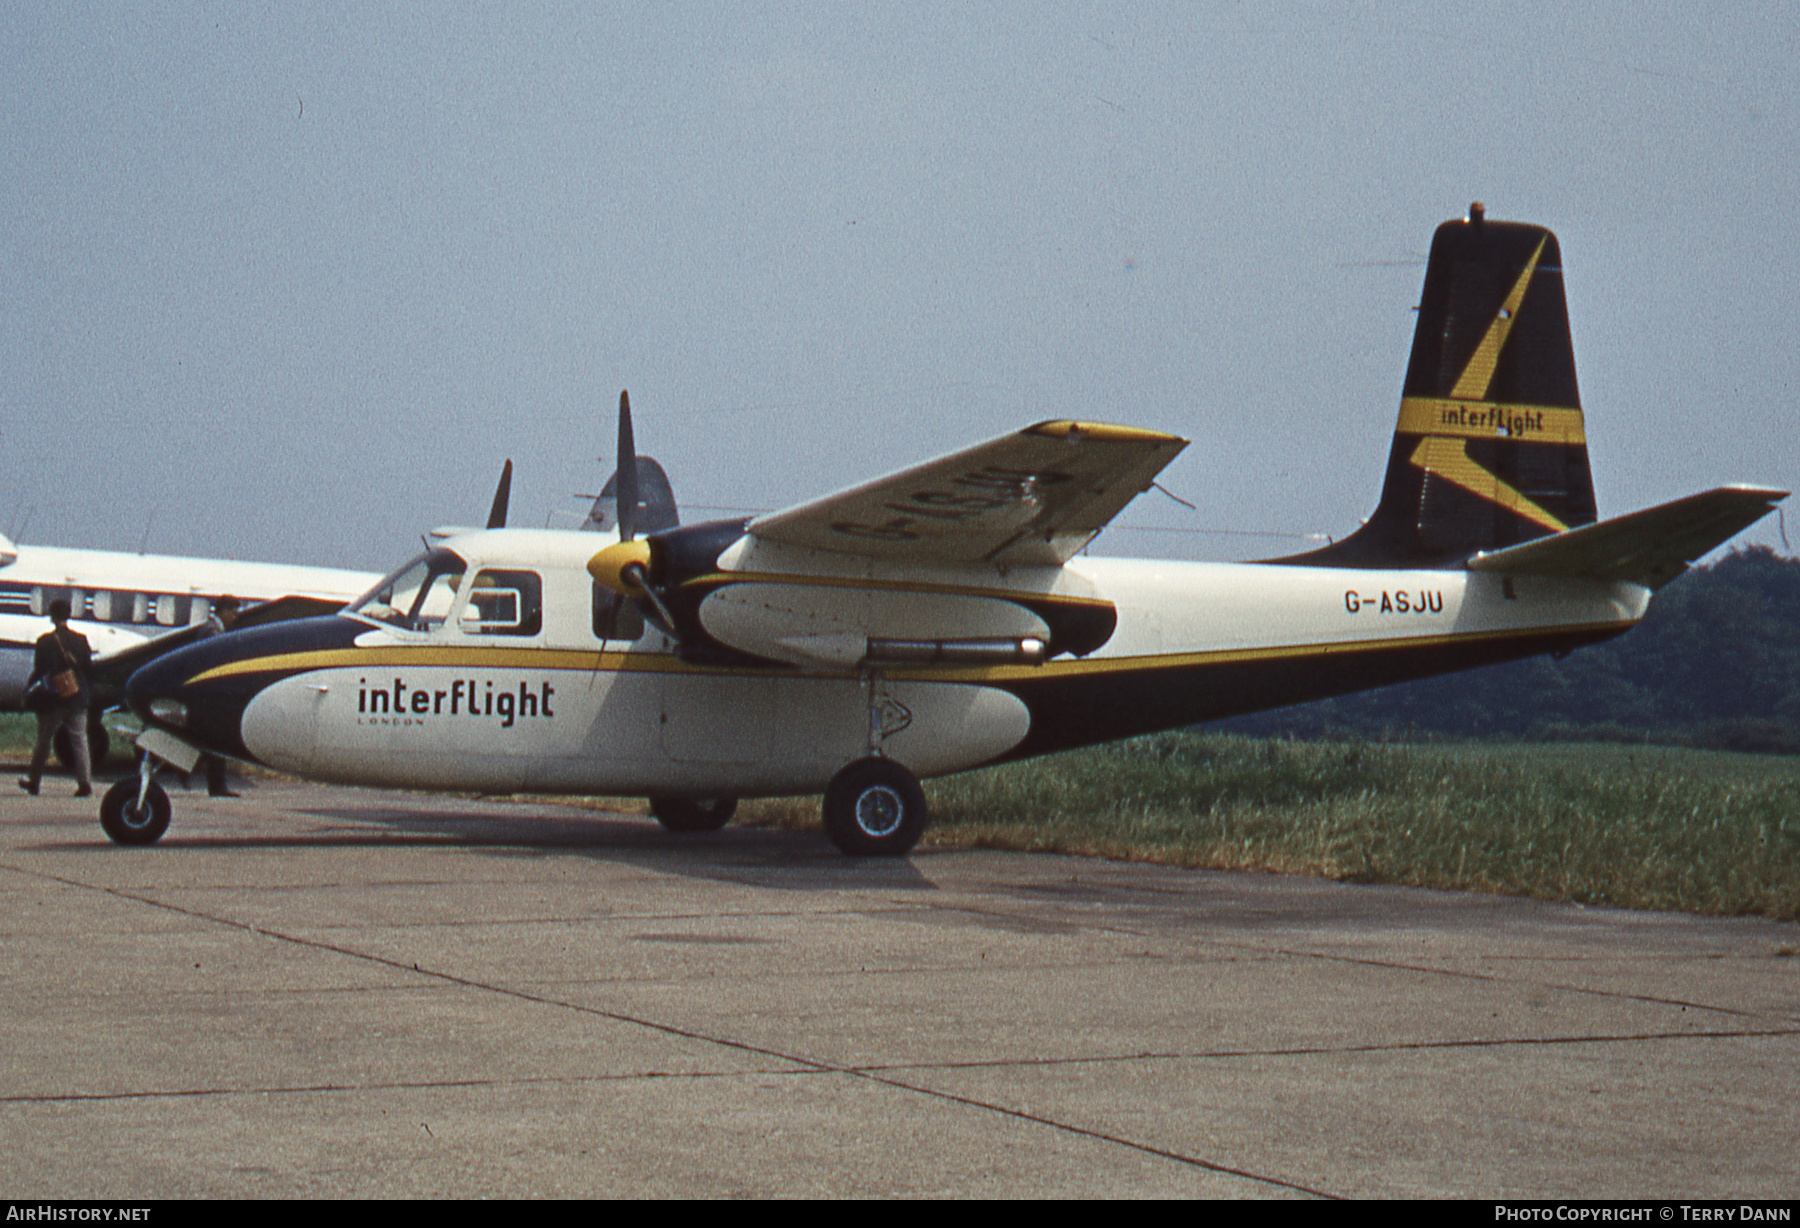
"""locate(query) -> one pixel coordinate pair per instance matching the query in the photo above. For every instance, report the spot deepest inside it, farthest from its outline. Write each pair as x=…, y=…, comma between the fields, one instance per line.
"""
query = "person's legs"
x=76, y=723
x=48, y=719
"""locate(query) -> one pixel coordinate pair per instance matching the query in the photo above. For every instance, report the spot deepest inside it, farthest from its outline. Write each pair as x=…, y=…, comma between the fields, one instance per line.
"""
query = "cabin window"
x=417, y=597
x=504, y=603
x=615, y=618
x=171, y=609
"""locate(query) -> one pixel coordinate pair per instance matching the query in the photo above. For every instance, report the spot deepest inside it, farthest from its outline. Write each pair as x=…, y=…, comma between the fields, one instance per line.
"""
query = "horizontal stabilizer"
x=1650, y=547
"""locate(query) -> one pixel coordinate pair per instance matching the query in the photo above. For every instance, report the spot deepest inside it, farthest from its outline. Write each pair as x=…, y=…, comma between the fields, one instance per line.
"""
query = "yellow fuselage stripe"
x=639, y=662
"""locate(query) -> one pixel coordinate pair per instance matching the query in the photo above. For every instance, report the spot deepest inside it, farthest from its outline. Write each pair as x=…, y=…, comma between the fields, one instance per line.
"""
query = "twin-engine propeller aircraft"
x=945, y=617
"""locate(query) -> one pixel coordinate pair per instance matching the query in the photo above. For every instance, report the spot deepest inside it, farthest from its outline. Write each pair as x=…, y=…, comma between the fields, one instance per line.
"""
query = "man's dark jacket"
x=51, y=661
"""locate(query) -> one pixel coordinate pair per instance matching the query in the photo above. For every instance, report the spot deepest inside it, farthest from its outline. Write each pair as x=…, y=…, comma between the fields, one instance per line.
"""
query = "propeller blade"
x=626, y=487
x=502, y=496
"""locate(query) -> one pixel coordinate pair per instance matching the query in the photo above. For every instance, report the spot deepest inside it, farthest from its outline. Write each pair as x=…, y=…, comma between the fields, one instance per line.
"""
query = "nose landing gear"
x=135, y=811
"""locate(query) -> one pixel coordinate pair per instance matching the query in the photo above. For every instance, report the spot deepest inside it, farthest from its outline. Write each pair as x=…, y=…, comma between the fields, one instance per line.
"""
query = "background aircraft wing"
x=1650, y=547
x=1035, y=497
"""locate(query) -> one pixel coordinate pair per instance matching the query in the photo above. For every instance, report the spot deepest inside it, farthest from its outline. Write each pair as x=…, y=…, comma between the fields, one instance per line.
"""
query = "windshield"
x=419, y=595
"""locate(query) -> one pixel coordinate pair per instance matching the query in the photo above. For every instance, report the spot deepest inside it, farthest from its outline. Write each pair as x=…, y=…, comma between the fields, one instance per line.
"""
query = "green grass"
x=1634, y=826
x=1639, y=827
x=18, y=735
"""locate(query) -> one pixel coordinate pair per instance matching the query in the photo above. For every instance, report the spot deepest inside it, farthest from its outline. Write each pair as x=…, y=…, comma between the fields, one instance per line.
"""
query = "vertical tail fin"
x=1489, y=450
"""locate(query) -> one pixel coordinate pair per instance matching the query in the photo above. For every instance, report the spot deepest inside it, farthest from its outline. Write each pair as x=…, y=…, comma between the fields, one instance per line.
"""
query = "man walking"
x=62, y=662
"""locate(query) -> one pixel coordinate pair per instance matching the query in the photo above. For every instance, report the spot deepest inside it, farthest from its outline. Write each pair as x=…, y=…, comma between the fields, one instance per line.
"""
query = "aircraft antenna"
x=1190, y=507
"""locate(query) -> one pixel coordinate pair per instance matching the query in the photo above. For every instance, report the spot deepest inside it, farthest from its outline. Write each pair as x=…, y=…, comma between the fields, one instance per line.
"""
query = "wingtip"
x=1104, y=432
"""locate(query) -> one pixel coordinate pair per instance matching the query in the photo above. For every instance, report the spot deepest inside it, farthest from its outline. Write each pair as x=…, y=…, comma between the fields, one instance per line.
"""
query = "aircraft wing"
x=1650, y=547
x=1035, y=497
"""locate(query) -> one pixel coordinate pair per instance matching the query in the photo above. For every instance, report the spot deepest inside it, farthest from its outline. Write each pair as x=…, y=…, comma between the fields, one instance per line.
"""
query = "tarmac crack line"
x=321, y=1089
x=812, y=1064
x=1340, y=1050
x=1652, y=999
x=1391, y=965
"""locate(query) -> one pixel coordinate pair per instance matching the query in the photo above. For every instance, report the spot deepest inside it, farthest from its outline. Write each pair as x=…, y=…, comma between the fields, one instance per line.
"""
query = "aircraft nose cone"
x=161, y=679
x=200, y=692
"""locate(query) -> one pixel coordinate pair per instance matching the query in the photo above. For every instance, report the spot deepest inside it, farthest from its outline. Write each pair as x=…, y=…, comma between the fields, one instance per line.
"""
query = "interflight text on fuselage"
x=382, y=705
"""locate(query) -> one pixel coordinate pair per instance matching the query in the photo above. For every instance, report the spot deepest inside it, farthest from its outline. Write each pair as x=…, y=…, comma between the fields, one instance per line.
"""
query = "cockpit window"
x=504, y=603
x=418, y=597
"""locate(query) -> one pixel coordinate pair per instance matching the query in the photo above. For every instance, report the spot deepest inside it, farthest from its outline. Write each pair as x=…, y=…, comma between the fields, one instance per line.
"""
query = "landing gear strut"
x=874, y=807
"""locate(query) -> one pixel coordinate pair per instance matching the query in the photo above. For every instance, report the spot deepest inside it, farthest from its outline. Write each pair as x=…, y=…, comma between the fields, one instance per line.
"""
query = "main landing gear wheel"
x=874, y=808
x=125, y=822
x=686, y=814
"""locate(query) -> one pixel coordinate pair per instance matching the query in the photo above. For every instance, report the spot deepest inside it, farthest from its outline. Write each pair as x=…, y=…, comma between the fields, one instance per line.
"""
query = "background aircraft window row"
x=107, y=605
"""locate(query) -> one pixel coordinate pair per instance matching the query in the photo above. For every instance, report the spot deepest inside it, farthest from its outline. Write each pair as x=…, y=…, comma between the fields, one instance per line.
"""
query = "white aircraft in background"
x=125, y=602
x=945, y=618
x=135, y=607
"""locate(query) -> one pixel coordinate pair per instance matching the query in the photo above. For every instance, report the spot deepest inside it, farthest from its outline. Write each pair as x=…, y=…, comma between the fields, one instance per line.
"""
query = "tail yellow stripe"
x=1449, y=459
x=1491, y=420
x=1473, y=385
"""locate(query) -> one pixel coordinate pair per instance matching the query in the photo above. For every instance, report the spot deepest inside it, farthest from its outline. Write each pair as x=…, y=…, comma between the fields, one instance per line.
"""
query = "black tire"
x=687, y=814
x=875, y=808
x=125, y=823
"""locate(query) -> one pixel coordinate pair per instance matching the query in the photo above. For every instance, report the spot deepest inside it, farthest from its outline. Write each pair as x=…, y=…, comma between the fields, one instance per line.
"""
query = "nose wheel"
x=874, y=808
x=135, y=812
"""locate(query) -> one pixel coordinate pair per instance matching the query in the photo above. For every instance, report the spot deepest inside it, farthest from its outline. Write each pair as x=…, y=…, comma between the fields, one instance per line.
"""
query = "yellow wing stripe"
x=1473, y=385
x=1449, y=459
x=1491, y=420
x=1106, y=432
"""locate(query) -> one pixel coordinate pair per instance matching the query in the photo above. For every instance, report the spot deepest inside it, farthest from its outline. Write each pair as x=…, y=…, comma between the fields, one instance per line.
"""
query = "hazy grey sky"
x=291, y=284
